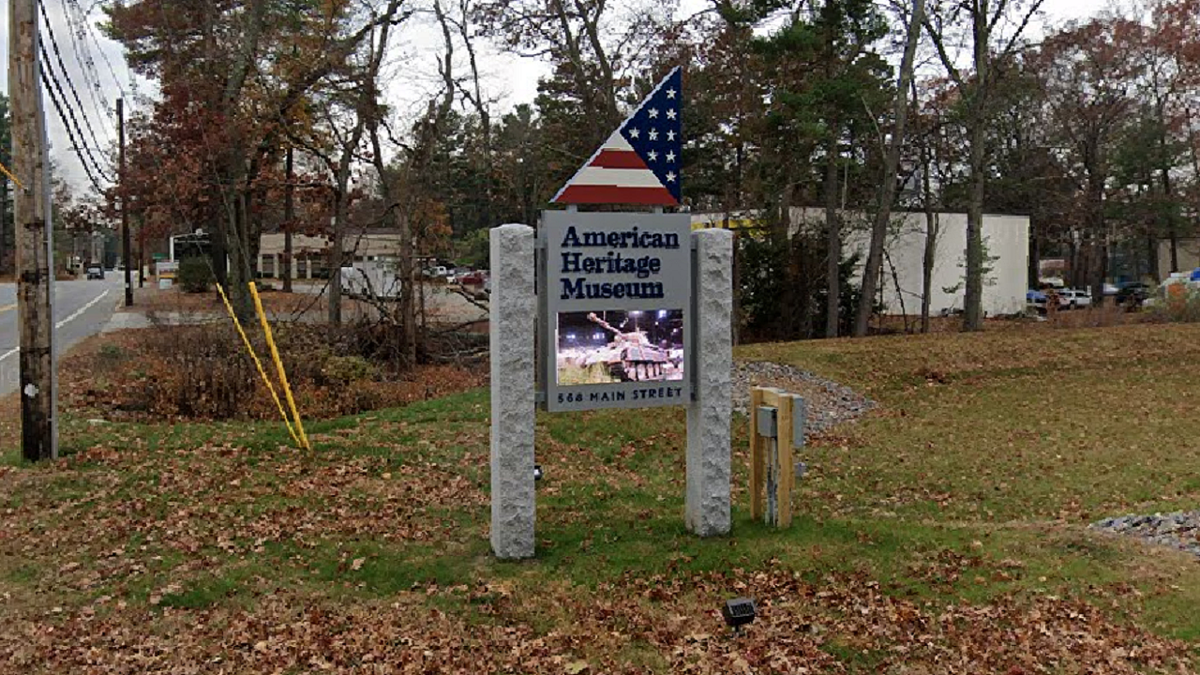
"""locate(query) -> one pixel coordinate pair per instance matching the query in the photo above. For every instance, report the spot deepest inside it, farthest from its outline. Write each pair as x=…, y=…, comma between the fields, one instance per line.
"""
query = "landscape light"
x=537, y=471
x=738, y=612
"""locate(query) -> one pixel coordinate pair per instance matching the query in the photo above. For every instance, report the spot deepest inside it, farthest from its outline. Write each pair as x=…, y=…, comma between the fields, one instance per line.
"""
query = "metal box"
x=768, y=422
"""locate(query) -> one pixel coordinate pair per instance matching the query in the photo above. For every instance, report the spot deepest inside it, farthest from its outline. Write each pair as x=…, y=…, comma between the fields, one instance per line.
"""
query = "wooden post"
x=35, y=264
x=758, y=466
x=772, y=457
x=785, y=472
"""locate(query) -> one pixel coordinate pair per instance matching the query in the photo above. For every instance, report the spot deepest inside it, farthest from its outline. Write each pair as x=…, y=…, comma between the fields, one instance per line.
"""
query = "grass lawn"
x=944, y=533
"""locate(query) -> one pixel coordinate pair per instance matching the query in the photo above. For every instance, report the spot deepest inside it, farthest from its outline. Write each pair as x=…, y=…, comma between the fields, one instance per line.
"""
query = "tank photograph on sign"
x=620, y=346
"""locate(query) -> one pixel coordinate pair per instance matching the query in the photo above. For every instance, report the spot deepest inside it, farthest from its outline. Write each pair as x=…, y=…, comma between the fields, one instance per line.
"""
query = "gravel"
x=1180, y=529
x=829, y=403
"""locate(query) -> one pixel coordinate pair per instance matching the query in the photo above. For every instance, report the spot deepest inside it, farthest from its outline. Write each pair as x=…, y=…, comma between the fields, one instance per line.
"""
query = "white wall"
x=1006, y=238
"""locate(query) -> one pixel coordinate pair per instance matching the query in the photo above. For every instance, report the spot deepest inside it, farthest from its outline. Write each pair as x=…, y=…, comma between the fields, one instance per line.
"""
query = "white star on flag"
x=629, y=168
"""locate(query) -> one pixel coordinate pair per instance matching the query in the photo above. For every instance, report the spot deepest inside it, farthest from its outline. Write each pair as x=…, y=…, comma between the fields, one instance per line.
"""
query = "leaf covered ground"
x=944, y=533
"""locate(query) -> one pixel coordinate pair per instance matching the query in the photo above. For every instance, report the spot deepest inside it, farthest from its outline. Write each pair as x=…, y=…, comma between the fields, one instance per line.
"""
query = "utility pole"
x=126, y=257
x=34, y=248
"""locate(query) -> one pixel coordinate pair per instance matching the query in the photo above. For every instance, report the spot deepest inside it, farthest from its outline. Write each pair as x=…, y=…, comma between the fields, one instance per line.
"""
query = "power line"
x=100, y=49
x=46, y=82
x=77, y=31
x=70, y=84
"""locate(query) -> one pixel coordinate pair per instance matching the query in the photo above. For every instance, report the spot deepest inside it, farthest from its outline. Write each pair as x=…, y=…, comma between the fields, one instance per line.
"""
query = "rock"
x=1176, y=530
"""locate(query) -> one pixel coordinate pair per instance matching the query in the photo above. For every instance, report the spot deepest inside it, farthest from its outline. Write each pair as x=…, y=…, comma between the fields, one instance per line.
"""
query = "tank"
x=631, y=357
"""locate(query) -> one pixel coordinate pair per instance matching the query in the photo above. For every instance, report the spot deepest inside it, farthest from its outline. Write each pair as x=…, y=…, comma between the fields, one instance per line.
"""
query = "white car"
x=1074, y=298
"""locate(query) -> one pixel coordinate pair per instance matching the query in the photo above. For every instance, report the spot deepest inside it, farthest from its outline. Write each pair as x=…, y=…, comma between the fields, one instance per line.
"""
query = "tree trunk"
x=973, y=296
x=783, y=238
x=237, y=275
x=833, y=239
x=341, y=212
x=1033, y=273
x=1152, y=268
x=1099, y=238
x=289, y=216
x=927, y=262
x=931, y=234
x=887, y=190
x=336, y=253
x=218, y=257
x=801, y=251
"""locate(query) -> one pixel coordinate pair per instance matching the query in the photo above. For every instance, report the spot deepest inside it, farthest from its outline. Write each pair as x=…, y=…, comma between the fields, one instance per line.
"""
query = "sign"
x=167, y=269
x=616, y=305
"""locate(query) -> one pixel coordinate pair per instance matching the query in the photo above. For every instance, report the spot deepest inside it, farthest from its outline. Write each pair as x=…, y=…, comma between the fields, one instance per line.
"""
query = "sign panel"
x=616, y=291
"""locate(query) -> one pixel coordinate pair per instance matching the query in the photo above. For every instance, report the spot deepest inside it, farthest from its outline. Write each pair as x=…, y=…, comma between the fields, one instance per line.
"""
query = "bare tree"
x=887, y=189
x=981, y=26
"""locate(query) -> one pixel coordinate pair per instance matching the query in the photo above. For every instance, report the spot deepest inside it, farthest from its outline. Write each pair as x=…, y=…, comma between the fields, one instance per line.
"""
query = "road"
x=81, y=308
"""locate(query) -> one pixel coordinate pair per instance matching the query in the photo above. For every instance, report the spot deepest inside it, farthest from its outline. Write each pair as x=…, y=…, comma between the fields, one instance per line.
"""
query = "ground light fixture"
x=537, y=471
x=738, y=612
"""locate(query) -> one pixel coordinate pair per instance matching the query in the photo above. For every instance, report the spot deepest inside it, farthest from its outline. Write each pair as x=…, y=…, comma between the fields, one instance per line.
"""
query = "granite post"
x=513, y=320
x=708, y=416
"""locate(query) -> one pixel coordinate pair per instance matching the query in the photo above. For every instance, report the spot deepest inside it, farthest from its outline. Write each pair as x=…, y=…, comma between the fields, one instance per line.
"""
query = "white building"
x=1006, y=247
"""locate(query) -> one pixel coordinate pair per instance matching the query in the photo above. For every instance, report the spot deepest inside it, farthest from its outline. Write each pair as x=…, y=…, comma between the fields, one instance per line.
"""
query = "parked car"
x=475, y=278
x=95, y=272
x=436, y=272
x=1132, y=294
x=1075, y=298
x=1035, y=300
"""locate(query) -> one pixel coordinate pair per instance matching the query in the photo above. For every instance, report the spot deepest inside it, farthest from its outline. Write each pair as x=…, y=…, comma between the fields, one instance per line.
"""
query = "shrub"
x=1182, y=306
x=347, y=369
x=195, y=275
x=203, y=372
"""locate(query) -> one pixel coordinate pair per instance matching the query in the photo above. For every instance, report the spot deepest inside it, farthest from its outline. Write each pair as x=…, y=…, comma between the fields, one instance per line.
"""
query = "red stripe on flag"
x=614, y=194
x=618, y=159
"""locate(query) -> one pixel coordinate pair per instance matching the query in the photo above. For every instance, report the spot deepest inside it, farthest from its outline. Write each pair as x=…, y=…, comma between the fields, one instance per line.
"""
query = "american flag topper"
x=639, y=163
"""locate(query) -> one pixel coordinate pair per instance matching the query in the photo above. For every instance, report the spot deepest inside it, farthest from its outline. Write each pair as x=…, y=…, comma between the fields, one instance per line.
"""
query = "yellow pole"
x=287, y=389
x=258, y=364
x=11, y=177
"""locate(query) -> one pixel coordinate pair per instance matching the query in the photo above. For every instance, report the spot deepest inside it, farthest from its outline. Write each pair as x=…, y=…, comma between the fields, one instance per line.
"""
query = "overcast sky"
x=511, y=80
